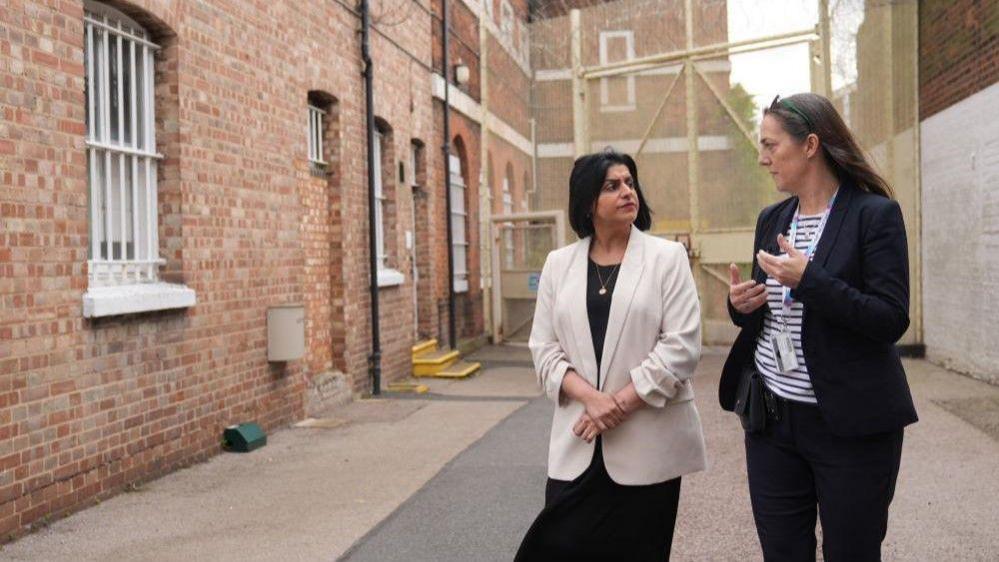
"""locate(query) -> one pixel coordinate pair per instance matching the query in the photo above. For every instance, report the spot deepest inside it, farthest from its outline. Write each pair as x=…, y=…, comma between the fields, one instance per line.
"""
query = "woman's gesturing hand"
x=787, y=269
x=745, y=296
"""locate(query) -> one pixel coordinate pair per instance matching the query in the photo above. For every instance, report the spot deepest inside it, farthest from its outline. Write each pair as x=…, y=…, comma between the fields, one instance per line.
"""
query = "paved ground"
x=459, y=476
x=479, y=506
x=308, y=495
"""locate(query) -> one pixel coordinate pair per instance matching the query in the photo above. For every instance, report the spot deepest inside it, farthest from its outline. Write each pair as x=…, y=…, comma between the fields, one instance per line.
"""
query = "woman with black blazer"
x=828, y=299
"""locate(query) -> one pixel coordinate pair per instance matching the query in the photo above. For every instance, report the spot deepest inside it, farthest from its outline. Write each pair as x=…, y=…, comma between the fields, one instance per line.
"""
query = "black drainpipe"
x=375, y=360
x=447, y=179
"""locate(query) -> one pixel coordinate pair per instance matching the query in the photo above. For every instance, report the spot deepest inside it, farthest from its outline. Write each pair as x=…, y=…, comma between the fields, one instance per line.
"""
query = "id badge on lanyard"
x=782, y=347
x=781, y=343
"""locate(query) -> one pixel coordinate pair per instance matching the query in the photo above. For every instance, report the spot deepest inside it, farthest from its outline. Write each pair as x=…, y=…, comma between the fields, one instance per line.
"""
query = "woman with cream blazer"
x=653, y=340
x=651, y=348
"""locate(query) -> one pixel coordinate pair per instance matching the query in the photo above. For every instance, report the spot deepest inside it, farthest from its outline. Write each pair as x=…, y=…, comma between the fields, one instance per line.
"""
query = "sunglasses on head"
x=788, y=105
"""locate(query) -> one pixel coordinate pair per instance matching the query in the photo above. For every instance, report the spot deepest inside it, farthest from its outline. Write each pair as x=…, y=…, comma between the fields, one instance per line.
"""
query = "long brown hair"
x=804, y=114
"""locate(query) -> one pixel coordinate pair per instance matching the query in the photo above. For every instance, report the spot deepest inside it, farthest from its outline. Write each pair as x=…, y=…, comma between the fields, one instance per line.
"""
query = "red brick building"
x=490, y=123
x=172, y=169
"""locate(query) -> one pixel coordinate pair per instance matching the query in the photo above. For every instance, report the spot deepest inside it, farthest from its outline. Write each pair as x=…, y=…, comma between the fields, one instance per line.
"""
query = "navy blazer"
x=855, y=293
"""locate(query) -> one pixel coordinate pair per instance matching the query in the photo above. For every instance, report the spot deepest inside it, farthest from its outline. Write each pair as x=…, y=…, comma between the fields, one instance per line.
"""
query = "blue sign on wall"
x=532, y=281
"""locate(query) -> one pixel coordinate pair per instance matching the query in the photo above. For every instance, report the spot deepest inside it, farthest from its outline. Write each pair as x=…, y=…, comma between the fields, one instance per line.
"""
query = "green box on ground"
x=243, y=438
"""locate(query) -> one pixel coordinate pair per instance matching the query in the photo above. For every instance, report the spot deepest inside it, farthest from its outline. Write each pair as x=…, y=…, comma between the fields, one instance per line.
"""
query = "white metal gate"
x=521, y=242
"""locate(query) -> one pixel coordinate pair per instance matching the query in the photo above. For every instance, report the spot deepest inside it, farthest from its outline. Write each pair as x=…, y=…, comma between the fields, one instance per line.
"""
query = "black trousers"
x=796, y=464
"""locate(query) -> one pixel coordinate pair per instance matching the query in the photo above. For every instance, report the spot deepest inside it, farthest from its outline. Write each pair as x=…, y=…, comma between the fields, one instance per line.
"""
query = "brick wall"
x=322, y=224
x=509, y=162
x=509, y=94
x=465, y=135
x=544, y=9
x=463, y=43
x=509, y=89
x=958, y=51
x=88, y=406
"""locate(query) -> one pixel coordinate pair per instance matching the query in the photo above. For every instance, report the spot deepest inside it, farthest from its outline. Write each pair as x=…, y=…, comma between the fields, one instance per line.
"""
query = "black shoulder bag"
x=749, y=401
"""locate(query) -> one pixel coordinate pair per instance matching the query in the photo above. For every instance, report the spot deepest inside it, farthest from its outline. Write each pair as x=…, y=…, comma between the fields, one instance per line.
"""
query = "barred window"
x=458, y=215
x=316, y=136
x=414, y=164
x=379, y=202
x=121, y=149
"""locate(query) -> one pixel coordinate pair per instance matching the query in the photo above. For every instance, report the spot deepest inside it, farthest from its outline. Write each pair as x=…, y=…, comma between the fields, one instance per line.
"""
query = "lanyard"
x=786, y=299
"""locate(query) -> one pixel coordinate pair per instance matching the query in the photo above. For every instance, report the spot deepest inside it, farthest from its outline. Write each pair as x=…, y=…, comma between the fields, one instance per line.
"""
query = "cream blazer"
x=653, y=339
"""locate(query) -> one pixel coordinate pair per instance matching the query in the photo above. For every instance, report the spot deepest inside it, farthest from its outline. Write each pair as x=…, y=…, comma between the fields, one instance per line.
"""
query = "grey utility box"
x=285, y=332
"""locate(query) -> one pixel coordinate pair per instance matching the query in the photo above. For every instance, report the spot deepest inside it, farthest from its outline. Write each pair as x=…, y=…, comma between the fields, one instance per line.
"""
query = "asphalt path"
x=478, y=507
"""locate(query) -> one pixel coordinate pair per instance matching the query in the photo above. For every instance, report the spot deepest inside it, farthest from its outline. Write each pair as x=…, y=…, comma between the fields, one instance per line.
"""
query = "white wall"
x=960, y=204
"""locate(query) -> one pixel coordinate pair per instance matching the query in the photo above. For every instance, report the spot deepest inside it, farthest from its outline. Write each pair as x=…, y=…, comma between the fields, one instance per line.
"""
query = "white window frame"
x=508, y=253
x=316, y=116
x=414, y=151
x=123, y=265
x=376, y=171
x=605, y=38
x=525, y=45
x=487, y=6
x=459, y=218
x=387, y=277
x=506, y=20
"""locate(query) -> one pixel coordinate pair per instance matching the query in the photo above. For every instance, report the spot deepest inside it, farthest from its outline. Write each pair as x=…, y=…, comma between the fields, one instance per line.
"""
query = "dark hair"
x=804, y=114
x=586, y=182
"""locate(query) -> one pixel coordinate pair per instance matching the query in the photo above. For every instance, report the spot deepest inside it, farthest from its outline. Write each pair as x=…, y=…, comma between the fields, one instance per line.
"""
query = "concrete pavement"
x=308, y=495
x=460, y=475
x=480, y=504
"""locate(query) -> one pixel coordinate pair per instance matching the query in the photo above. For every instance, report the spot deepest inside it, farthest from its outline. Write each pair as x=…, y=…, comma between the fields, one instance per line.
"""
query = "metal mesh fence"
x=680, y=85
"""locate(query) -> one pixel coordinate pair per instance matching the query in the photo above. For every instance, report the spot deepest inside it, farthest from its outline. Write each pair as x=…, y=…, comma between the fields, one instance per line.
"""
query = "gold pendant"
x=602, y=291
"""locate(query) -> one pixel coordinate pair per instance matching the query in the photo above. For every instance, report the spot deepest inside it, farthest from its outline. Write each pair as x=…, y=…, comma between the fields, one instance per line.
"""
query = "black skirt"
x=593, y=518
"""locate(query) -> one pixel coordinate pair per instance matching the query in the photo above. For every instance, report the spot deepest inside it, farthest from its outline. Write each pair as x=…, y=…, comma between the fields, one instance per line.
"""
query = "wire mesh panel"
x=680, y=85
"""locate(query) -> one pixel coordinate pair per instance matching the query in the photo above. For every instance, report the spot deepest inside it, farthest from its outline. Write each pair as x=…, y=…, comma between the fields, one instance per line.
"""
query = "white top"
x=795, y=385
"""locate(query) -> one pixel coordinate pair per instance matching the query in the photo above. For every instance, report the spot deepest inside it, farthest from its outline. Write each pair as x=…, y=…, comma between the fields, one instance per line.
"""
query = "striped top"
x=795, y=385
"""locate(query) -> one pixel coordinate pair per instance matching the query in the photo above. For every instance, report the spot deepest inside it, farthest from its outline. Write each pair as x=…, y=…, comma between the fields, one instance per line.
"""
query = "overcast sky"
x=785, y=70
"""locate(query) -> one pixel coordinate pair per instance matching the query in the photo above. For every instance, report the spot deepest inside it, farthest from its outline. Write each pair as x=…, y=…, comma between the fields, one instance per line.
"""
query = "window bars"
x=316, y=136
x=121, y=149
x=379, y=202
x=458, y=214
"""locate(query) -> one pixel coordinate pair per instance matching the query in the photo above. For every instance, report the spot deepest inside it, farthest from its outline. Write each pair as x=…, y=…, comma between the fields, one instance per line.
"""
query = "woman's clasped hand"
x=605, y=412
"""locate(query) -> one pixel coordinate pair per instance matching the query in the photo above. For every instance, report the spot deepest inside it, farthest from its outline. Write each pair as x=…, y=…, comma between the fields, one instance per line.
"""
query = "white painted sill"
x=388, y=277
x=617, y=108
x=140, y=297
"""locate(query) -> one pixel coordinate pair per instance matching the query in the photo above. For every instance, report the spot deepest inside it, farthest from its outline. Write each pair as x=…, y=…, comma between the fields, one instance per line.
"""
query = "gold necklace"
x=603, y=285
